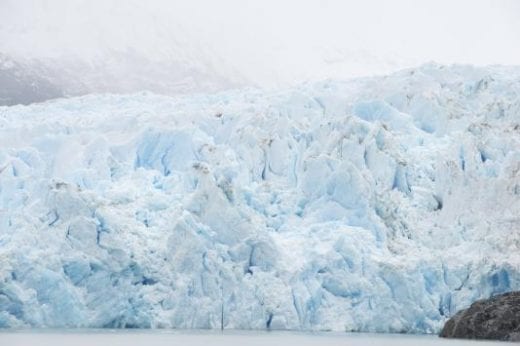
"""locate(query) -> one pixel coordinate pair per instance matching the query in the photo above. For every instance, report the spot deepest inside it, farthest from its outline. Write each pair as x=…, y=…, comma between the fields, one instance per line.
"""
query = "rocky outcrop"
x=496, y=318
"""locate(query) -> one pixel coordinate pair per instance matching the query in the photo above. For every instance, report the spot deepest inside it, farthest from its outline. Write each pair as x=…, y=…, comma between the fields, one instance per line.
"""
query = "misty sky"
x=268, y=42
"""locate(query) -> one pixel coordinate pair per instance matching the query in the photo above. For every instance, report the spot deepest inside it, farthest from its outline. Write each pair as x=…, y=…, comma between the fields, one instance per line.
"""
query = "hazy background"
x=207, y=45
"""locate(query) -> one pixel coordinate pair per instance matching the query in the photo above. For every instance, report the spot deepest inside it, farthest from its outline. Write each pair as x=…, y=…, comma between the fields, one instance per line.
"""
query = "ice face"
x=381, y=204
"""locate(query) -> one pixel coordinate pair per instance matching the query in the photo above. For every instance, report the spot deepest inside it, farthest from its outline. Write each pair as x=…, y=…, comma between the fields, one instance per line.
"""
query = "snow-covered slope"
x=29, y=80
x=21, y=84
x=380, y=204
x=83, y=47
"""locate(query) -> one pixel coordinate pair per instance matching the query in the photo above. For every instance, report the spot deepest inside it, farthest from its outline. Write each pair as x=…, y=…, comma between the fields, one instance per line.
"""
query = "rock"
x=496, y=318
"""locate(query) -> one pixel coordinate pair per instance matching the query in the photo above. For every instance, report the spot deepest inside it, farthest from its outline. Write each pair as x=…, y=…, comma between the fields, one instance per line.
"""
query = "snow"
x=380, y=204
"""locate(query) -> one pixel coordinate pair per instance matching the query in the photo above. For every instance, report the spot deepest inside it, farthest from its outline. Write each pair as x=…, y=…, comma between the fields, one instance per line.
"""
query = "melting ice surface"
x=382, y=204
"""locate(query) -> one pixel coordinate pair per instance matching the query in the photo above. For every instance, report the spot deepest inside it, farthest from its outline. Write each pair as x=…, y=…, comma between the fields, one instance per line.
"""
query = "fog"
x=200, y=45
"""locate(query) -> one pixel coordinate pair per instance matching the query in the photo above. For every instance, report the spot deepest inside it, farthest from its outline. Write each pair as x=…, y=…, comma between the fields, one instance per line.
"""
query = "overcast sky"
x=269, y=42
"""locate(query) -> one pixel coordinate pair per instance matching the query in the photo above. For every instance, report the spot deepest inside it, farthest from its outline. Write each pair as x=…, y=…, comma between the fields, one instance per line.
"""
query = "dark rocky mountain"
x=496, y=318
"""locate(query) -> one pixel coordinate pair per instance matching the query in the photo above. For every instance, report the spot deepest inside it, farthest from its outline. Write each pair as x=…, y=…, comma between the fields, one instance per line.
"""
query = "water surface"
x=206, y=338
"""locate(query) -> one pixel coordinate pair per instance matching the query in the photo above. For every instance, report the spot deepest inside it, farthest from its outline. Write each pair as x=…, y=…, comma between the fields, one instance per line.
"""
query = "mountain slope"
x=23, y=85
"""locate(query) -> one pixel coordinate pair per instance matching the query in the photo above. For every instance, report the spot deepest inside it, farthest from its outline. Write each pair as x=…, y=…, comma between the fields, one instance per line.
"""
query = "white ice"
x=381, y=204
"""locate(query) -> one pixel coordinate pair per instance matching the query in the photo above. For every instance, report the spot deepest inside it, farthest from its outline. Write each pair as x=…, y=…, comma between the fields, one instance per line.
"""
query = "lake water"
x=207, y=338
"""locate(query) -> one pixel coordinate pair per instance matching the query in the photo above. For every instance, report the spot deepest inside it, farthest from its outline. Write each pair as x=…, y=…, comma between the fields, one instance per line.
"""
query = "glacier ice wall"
x=380, y=204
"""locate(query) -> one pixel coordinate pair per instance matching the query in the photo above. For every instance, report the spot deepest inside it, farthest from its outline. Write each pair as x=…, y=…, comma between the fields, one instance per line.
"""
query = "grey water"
x=207, y=338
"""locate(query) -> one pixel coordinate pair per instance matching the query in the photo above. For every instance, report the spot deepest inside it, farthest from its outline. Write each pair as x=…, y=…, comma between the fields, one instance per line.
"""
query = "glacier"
x=378, y=204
